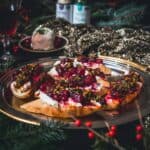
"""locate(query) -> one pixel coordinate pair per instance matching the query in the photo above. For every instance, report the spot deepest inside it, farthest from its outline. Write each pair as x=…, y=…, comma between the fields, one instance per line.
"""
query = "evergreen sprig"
x=20, y=136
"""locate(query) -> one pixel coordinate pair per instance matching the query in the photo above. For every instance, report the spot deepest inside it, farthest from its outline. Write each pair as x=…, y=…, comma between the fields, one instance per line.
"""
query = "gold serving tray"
x=10, y=105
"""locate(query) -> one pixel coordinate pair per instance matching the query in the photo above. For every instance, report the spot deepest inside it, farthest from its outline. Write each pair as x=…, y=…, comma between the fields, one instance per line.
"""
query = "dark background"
x=47, y=7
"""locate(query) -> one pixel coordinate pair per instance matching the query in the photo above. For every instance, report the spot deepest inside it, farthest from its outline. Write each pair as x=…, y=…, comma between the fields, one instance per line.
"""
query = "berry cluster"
x=112, y=131
x=87, y=124
x=139, y=135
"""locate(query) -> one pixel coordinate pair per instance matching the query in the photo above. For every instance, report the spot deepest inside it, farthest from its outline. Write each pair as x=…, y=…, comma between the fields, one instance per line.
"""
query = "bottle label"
x=63, y=11
x=81, y=14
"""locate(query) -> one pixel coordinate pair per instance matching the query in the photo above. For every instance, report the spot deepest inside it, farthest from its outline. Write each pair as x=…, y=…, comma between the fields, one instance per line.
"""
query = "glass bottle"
x=63, y=9
x=81, y=12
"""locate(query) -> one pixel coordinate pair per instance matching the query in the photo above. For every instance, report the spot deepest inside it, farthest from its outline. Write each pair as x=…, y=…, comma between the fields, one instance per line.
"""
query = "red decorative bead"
x=91, y=135
x=139, y=137
x=88, y=124
x=139, y=128
x=77, y=123
x=111, y=134
x=113, y=128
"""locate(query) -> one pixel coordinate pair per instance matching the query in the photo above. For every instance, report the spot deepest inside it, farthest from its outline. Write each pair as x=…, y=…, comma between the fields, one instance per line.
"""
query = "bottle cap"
x=64, y=1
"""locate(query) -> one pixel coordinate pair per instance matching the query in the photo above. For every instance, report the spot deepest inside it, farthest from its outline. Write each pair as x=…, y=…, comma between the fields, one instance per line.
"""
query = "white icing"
x=47, y=99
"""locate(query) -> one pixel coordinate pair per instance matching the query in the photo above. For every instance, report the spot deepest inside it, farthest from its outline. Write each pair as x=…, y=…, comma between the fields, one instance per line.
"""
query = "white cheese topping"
x=109, y=101
x=48, y=100
x=27, y=85
x=95, y=103
x=57, y=62
x=86, y=73
x=76, y=63
x=53, y=72
x=71, y=102
x=92, y=66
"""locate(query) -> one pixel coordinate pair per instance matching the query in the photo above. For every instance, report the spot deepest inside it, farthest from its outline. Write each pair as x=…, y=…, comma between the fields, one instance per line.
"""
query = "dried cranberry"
x=55, y=97
x=36, y=78
x=43, y=87
x=102, y=101
x=83, y=59
x=92, y=60
x=114, y=94
x=64, y=95
x=80, y=71
x=99, y=61
x=89, y=79
x=77, y=97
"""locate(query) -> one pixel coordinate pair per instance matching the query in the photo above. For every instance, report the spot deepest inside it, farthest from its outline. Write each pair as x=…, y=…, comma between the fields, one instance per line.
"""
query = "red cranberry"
x=43, y=87
x=36, y=78
x=92, y=60
x=89, y=79
x=99, y=61
x=83, y=59
x=55, y=96
x=81, y=71
x=77, y=97
x=114, y=94
x=64, y=95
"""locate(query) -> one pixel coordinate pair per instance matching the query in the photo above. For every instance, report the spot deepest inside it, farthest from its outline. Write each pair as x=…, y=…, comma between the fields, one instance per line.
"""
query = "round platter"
x=59, y=44
x=10, y=105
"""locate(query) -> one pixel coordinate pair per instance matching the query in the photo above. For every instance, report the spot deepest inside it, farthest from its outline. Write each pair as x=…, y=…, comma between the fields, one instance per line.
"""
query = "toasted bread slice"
x=67, y=111
x=19, y=93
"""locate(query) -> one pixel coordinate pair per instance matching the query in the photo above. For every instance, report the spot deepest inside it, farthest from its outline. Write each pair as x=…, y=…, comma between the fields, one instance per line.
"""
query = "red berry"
x=77, y=123
x=15, y=48
x=139, y=137
x=88, y=124
x=91, y=135
x=139, y=128
x=113, y=128
x=111, y=134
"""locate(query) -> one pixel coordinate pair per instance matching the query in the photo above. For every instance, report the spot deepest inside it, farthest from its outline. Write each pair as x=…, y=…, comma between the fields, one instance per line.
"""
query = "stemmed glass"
x=9, y=10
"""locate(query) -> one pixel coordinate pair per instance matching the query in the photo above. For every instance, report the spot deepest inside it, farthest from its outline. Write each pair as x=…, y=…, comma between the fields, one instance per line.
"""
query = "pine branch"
x=20, y=136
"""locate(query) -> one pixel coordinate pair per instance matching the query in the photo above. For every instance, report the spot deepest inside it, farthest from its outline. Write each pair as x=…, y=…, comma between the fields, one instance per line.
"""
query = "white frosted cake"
x=42, y=38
